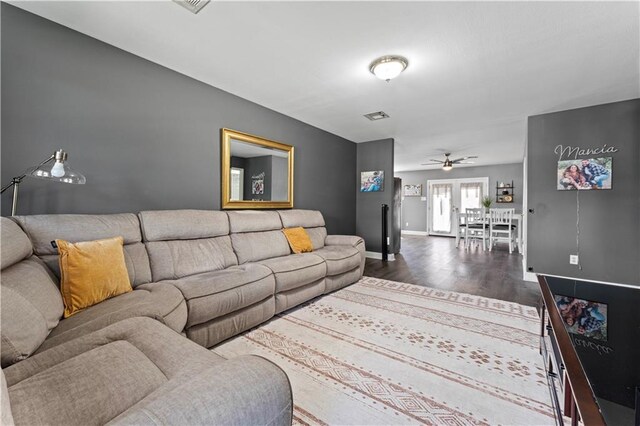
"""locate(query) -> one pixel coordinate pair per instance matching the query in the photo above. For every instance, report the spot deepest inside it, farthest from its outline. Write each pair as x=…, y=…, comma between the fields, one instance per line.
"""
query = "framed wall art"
x=586, y=173
x=412, y=190
x=372, y=181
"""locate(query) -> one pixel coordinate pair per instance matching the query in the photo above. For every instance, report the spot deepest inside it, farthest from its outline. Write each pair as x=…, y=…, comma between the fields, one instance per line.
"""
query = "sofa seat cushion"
x=161, y=302
x=296, y=270
x=245, y=390
x=213, y=294
x=339, y=258
x=95, y=378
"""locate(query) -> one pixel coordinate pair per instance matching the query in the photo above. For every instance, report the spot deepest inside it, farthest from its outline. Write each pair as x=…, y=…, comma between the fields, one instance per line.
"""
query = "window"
x=470, y=195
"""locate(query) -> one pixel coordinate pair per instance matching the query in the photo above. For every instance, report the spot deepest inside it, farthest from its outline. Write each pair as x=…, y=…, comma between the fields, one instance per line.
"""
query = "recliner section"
x=192, y=251
x=238, y=270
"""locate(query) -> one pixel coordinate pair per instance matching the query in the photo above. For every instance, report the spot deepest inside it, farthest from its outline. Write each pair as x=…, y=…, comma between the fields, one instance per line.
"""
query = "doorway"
x=237, y=184
x=445, y=197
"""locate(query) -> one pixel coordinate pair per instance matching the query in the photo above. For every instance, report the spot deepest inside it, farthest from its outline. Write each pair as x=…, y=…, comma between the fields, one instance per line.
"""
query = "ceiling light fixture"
x=379, y=115
x=388, y=67
x=448, y=163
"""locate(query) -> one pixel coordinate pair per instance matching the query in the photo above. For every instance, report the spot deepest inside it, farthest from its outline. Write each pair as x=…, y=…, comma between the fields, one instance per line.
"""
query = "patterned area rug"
x=383, y=352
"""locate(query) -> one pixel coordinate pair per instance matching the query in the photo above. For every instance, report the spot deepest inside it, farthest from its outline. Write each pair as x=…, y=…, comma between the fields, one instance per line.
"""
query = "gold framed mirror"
x=257, y=173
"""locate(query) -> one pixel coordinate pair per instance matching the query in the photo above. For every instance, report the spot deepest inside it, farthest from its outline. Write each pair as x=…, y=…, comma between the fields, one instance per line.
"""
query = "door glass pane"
x=470, y=195
x=237, y=178
x=441, y=207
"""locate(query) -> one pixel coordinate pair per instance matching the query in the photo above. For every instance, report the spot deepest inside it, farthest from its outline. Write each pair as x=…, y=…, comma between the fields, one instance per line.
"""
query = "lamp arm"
x=17, y=179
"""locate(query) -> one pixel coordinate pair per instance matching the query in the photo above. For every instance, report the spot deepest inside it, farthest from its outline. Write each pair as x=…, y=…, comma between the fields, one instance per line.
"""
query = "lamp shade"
x=60, y=171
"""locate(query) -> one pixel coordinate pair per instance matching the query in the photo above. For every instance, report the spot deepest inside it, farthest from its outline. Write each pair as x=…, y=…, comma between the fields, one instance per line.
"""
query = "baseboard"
x=375, y=255
x=529, y=276
x=406, y=232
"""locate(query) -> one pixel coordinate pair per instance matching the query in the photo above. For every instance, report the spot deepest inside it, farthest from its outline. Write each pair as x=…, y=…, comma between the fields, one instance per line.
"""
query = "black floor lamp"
x=59, y=172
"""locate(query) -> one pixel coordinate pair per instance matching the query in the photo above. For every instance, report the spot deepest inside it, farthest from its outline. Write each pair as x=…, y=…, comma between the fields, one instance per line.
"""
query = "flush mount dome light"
x=388, y=67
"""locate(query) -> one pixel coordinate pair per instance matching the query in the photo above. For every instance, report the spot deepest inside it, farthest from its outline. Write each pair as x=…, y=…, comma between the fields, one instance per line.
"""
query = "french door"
x=448, y=196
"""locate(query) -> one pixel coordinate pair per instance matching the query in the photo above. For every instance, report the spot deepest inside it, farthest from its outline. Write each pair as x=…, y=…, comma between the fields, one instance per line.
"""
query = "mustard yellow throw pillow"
x=91, y=272
x=298, y=240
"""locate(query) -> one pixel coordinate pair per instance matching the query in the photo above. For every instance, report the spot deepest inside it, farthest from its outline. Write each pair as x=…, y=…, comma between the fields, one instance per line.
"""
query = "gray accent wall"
x=375, y=155
x=145, y=136
x=414, y=209
x=609, y=220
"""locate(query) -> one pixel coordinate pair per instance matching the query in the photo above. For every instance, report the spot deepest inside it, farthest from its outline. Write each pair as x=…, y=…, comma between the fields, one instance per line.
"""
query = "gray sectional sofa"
x=206, y=275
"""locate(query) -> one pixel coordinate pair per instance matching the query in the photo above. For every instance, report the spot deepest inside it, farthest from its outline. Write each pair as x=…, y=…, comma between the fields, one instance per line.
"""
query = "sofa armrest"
x=344, y=240
x=349, y=240
x=248, y=390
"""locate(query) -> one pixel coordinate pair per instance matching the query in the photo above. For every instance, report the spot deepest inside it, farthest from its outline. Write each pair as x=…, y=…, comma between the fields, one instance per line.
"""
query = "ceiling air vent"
x=373, y=116
x=194, y=6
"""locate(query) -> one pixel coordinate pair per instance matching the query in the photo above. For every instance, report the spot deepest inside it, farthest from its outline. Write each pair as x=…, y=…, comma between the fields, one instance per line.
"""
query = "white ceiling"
x=476, y=71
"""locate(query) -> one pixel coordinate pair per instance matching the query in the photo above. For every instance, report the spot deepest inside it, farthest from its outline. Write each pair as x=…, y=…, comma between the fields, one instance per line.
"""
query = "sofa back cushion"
x=43, y=229
x=186, y=242
x=31, y=303
x=257, y=235
x=311, y=220
x=16, y=246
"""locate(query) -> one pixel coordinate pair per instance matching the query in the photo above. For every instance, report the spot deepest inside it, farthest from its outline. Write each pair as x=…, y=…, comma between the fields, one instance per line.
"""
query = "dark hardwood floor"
x=436, y=262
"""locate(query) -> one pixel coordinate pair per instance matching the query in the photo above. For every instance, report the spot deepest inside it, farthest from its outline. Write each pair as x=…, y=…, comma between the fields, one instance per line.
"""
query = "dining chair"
x=476, y=227
x=501, y=227
x=462, y=229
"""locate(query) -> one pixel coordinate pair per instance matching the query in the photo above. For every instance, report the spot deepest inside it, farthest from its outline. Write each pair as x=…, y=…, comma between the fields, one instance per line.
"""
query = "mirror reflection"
x=256, y=172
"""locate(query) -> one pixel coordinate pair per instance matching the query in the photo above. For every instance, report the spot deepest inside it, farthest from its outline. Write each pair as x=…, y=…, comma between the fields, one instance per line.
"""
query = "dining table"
x=517, y=218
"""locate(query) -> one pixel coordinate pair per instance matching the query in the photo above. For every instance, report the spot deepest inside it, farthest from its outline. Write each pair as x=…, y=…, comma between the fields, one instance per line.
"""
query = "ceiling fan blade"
x=437, y=161
x=432, y=164
x=465, y=162
x=464, y=158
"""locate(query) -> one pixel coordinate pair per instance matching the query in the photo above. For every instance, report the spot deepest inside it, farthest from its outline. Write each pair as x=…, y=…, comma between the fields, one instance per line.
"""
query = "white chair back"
x=475, y=216
x=501, y=216
x=476, y=229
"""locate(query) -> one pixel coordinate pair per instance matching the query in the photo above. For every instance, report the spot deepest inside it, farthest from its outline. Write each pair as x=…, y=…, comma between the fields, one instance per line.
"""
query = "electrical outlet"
x=388, y=240
x=407, y=224
x=573, y=259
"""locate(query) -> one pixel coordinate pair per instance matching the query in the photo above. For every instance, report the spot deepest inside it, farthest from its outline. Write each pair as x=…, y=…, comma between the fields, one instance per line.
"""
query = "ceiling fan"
x=447, y=164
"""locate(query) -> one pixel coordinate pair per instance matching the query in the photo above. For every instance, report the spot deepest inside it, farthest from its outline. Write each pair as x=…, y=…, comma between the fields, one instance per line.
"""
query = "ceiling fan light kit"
x=388, y=67
x=448, y=163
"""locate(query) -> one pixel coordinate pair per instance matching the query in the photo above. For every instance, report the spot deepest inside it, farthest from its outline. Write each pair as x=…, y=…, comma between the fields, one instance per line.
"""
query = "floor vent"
x=194, y=6
x=373, y=116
